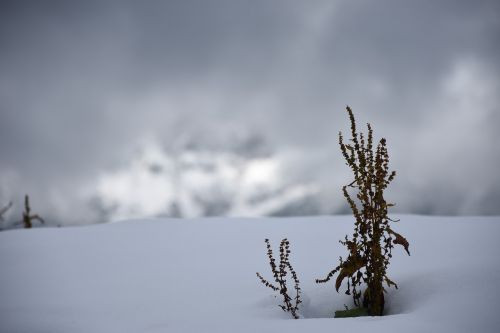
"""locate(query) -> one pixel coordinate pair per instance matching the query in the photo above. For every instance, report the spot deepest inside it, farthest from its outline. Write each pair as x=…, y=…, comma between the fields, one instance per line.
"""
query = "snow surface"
x=167, y=275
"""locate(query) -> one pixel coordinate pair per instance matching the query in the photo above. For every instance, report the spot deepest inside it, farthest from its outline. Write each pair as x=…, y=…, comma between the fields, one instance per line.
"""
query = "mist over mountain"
x=192, y=179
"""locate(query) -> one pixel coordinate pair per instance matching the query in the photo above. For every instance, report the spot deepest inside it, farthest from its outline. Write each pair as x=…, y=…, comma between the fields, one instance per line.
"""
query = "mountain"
x=193, y=180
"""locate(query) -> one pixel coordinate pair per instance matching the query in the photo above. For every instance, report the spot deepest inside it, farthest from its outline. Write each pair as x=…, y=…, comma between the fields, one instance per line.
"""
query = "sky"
x=86, y=88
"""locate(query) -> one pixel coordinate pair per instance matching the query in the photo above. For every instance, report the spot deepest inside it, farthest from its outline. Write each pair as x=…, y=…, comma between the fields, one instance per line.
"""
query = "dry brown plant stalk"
x=4, y=210
x=279, y=273
x=370, y=246
x=28, y=218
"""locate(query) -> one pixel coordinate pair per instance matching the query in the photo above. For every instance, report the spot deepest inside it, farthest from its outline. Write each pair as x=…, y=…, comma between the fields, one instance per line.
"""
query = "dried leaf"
x=350, y=267
x=390, y=282
x=400, y=240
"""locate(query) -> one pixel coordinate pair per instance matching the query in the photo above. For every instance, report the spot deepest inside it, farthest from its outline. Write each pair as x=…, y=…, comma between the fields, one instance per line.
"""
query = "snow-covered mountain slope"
x=167, y=275
x=195, y=182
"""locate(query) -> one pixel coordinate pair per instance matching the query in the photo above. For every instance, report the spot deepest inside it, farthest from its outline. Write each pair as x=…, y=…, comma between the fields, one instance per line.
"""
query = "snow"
x=200, y=181
x=198, y=275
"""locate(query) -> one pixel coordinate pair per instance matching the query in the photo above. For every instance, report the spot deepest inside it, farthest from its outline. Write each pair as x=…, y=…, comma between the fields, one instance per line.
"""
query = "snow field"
x=198, y=275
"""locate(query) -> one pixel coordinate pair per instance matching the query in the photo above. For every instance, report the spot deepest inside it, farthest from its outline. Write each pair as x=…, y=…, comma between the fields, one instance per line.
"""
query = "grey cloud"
x=81, y=82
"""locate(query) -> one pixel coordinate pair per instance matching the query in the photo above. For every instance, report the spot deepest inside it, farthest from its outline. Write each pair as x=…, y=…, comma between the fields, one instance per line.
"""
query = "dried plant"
x=4, y=210
x=28, y=218
x=371, y=244
x=279, y=273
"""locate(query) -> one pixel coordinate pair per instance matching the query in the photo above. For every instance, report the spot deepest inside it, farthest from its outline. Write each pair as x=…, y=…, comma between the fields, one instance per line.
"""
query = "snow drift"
x=173, y=275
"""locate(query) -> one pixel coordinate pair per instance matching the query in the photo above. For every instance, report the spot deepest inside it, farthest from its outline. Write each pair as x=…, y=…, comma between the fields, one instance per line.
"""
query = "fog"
x=86, y=87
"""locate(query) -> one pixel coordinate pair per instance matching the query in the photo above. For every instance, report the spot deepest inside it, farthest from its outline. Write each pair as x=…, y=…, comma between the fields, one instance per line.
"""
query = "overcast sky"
x=83, y=82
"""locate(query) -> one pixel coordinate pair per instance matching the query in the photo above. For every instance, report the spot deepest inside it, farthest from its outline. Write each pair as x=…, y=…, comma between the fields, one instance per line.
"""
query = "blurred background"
x=122, y=109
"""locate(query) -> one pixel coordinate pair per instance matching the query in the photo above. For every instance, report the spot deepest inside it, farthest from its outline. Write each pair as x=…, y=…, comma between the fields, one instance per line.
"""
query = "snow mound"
x=198, y=275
